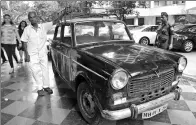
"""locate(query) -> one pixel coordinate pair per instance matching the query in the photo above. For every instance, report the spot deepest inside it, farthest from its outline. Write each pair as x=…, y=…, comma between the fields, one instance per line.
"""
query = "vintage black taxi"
x=114, y=77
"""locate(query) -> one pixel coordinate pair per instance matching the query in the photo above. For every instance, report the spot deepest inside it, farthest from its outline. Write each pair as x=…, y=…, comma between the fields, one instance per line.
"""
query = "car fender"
x=89, y=84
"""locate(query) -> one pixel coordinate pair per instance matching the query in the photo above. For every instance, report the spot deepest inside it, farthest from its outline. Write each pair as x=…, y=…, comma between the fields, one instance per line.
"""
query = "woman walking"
x=9, y=34
x=21, y=27
x=3, y=57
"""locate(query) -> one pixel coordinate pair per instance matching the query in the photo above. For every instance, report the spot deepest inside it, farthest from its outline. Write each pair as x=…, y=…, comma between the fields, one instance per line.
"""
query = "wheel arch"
x=81, y=77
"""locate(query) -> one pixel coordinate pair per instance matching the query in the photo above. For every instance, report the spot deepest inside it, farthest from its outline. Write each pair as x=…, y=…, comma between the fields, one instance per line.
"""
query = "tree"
x=126, y=7
x=46, y=9
x=77, y=6
x=17, y=9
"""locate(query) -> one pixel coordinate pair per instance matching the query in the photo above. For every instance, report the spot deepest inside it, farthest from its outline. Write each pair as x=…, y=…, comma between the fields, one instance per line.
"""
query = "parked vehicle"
x=131, y=27
x=145, y=34
x=50, y=35
x=114, y=77
x=185, y=38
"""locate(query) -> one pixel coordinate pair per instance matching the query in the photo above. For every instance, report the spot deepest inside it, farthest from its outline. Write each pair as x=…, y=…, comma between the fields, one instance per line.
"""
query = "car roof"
x=91, y=19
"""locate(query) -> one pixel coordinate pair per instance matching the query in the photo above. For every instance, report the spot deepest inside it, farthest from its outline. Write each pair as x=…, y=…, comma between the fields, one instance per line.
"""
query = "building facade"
x=150, y=16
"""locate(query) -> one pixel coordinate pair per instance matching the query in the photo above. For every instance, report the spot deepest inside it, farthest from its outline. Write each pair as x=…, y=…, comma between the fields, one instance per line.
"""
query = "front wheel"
x=144, y=41
x=187, y=46
x=87, y=105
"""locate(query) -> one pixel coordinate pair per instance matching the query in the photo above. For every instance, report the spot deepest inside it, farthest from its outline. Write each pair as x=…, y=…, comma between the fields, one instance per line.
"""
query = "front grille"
x=150, y=86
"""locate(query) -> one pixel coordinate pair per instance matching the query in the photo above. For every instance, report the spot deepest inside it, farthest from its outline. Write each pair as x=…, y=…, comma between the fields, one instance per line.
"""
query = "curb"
x=189, y=77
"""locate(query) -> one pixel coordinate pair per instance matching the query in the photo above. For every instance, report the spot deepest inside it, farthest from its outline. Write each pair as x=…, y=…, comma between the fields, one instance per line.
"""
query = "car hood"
x=136, y=59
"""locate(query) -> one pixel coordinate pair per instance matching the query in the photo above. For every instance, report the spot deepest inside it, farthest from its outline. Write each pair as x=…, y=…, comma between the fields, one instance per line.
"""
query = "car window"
x=192, y=29
x=84, y=30
x=67, y=39
x=57, y=35
x=148, y=29
x=99, y=31
x=154, y=28
x=51, y=31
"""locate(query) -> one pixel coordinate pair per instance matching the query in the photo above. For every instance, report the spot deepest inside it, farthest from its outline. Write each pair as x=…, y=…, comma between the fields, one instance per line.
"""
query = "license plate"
x=151, y=113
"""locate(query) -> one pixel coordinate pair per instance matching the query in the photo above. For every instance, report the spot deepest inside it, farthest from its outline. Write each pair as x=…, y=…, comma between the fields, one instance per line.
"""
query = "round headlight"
x=119, y=80
x=182, y=64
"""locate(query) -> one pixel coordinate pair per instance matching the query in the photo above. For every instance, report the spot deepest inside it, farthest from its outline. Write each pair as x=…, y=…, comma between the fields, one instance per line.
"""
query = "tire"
x=144, y=41
x=187, y=46
x=84, y=98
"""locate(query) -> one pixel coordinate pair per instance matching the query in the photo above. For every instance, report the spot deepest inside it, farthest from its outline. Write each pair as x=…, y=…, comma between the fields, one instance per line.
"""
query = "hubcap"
x=188, y=46
x=144, y=41
x=88, y=104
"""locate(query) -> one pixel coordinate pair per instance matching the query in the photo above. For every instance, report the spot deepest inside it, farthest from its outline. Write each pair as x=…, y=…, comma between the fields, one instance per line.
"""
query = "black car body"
x=113, y=76
x=185, y=38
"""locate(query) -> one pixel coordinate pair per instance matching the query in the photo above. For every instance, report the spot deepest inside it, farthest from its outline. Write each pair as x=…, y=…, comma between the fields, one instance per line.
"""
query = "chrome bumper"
x=134, y=110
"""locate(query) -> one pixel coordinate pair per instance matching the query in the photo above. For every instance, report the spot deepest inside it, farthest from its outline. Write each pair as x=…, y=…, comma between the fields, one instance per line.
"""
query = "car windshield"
x=182, y=28
x=100, y=31
x=52, y=30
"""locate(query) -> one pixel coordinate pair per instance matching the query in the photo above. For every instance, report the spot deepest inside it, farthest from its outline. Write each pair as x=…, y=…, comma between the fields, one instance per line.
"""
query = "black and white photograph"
x=98, y=62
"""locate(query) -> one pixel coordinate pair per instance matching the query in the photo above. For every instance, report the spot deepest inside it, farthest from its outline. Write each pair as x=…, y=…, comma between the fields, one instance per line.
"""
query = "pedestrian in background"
x=3, y=57
x=21, y=27
x=164, y=33
x=9, y=34
x=35, y=38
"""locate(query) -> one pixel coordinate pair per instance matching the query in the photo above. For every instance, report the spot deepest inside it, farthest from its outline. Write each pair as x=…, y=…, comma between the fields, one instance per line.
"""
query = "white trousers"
x=39, y=69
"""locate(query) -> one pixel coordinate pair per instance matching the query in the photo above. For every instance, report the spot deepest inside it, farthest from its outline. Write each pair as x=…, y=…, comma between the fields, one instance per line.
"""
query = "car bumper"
x=134, y=110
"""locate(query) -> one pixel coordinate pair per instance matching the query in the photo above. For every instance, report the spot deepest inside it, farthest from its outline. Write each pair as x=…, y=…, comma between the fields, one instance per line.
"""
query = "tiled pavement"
x=20, y=104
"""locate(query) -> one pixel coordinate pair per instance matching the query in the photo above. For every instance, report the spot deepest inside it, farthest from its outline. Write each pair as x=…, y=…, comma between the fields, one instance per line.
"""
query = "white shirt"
x=36, y=40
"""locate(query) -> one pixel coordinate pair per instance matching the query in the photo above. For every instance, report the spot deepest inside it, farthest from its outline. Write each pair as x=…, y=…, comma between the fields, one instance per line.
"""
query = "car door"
x=66, y=45
x=55, y=48
x=192, y=34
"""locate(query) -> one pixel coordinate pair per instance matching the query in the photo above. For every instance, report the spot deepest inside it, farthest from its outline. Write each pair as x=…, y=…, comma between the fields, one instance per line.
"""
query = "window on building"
x=178, y=2
x=169, y=3
x=156, y=3
x=141, y=21
x=158, y=20
x=130, y=21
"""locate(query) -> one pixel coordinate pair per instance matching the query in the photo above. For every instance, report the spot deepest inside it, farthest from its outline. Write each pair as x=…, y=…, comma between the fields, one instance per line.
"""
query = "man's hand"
x=20, y=45
x=27, y=58
x=170, y=46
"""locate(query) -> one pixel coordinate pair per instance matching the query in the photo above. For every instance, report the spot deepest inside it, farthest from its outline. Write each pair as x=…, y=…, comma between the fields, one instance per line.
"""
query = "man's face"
x=33, y=18
x=164, y=19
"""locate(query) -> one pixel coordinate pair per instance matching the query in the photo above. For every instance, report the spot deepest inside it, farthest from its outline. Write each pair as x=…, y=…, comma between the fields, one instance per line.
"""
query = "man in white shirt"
x=34, y=38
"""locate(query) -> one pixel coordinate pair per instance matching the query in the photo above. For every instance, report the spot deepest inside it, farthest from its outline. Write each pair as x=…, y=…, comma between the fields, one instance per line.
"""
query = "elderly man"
x=164, y=33
x=34, y=38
